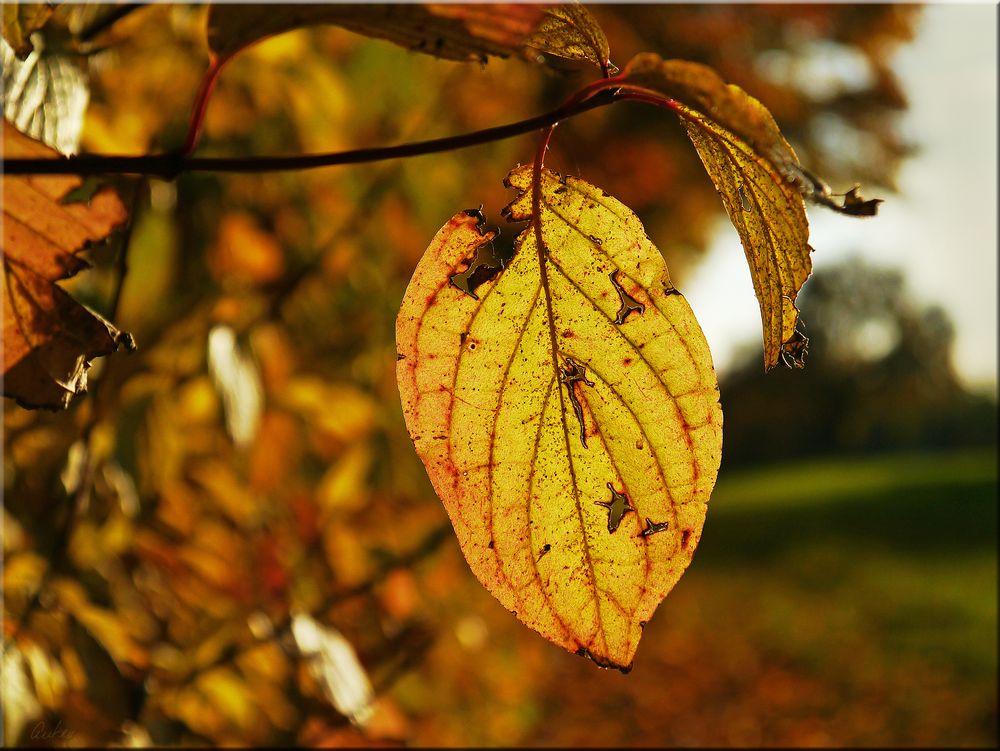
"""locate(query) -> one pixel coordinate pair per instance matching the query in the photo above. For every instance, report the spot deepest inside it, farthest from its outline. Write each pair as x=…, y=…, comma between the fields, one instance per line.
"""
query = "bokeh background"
x=231, y=540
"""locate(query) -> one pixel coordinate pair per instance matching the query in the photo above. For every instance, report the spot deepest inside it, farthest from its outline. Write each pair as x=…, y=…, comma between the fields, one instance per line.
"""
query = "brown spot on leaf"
x=744, y=201
x=628, y=303
x=617, y=507
x=569, y=375
x=487, y=262
x=653, y=527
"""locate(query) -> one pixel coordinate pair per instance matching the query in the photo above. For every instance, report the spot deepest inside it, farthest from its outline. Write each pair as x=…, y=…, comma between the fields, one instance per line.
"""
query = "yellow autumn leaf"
x=759, y=178
x=567, y=414
x=570, y=31
x=770, y=217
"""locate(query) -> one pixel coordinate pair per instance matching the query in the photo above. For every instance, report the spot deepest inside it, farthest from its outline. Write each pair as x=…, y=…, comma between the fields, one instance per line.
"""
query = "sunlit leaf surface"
x=760, y=180
x=571, y=31
x=567, y=414
x=237, y=380
x=771, y=220
x=19, y=702
x=45, y=96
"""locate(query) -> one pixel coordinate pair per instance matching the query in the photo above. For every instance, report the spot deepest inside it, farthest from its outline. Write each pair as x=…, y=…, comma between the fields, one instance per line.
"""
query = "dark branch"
x=168, y=166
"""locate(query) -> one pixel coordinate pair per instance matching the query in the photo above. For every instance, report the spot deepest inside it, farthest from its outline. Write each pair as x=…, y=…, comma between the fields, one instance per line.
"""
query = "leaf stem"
x=632, y=93
x=201, y=104
x=170, y=165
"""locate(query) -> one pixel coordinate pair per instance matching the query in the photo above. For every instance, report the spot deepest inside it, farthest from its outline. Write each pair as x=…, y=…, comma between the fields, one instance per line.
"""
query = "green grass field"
x=877, y=577
x=847, y=602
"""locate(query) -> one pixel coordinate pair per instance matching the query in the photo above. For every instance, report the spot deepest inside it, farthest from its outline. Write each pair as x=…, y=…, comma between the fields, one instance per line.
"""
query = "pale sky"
x=942, y=225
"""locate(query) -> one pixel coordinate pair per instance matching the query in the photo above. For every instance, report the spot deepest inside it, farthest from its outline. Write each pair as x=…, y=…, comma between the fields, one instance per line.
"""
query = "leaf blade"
x=486, y=391
x=452, y=32
x=49, y=338
x=761, y=182
x=571, y=32
x=45, y=96
x=769, y=216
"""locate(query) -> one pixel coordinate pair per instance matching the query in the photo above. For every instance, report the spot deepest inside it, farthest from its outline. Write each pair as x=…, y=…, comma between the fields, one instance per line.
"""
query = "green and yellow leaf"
x=567, y=414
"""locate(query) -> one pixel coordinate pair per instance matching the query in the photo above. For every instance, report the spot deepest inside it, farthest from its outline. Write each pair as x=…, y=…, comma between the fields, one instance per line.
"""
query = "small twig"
x=122, y=261
x=200, y=107
x=168, y=166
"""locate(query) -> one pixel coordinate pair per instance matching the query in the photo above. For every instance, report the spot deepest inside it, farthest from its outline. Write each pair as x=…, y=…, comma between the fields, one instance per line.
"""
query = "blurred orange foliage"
x=162, y=536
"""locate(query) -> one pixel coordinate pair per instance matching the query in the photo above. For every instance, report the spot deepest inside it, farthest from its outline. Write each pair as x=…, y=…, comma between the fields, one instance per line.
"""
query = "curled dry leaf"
x=49, y=339
x=570, y=31
x=573, y=398
x=761, y=183
x=452, y=32
x=20, y=19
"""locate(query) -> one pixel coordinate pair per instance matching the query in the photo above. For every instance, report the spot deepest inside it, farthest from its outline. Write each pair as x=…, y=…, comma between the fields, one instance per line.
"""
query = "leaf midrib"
x=540, y=249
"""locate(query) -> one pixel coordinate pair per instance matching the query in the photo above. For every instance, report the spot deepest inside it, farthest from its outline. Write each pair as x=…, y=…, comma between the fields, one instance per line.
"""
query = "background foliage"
x=248, y=465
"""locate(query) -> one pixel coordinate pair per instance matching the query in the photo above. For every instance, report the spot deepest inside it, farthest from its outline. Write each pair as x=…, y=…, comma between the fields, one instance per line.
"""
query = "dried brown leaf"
x=452, y=32
x=49, y=338
x=19, y=20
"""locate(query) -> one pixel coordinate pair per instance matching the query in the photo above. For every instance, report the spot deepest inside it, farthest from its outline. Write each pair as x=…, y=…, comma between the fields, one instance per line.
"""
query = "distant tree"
x=879, y=377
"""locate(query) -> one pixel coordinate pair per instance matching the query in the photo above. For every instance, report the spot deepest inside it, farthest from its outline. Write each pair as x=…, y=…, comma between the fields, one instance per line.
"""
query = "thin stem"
x=122, y=263
x=632, y=93
x=201, y=104
x=168, y=166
